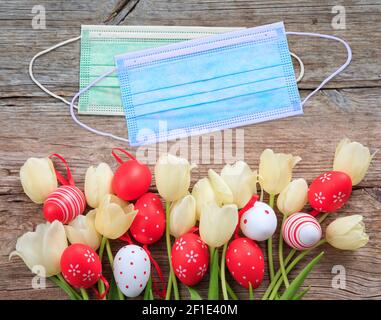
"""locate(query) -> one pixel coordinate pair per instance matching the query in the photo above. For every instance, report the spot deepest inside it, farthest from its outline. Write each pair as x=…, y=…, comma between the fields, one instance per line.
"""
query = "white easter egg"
x=132, y=269
x=259, y=223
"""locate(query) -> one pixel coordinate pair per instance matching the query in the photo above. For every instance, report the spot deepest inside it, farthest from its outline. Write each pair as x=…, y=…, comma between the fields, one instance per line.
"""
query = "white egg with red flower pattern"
x=259, y=222
x=132, y=269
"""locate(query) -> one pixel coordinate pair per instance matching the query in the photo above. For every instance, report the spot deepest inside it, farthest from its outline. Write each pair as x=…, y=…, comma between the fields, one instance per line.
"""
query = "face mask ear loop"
x=301, y=65
x=334, y=74
x=41, y=53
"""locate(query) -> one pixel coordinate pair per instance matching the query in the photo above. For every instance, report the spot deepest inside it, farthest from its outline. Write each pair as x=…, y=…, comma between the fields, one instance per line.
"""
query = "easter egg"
x=149, y=223
x=190, y=259
x=64, y=204
x=132, y=269
x=245, y=262
x=259, y=222
x=301, y=231
x=330, y=191
x=80, y=266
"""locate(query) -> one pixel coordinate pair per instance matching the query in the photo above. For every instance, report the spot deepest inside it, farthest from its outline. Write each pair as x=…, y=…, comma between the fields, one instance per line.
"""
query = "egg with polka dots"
x=258, y=222
x=132, y=269
x=149, y=223
x=245, y=262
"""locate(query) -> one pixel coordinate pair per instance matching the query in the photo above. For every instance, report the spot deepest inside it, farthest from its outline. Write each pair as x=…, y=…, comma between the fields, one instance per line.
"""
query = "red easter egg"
x=64, y=204
x=245, y=261
x=149, y=223
x=80, y=266
x=330, y=191
x=190, y=259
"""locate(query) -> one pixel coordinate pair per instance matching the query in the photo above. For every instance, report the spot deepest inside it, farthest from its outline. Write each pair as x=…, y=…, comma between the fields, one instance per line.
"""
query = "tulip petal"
x=222, y=191
x=182, y=216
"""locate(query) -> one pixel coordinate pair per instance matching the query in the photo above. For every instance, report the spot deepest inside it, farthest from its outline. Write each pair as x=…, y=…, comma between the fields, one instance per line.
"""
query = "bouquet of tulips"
x=213, y=227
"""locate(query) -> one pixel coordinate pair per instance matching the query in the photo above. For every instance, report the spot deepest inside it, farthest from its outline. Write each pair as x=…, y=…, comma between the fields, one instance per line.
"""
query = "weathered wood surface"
x=35, y=125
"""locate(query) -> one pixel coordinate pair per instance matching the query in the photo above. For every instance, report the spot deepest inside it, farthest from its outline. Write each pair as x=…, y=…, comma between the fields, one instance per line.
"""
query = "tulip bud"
x=353, y=159
x=275, y=170
x=38, y=178
x=222, y=191
x=172, y=176
x=203, y=193
x=82, y=230
x=293, y=198
x=182, y=216
x=347, y=233
x=217, y=224
x=43, y=247
x=241, y=181
x=114, y=217
x=98, y=183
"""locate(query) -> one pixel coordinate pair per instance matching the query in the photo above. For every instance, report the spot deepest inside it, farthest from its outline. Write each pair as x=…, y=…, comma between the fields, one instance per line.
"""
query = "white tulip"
x=203, y=193
x=98, y=183
x=221, y=189
x=293, y=198
x=182, y=216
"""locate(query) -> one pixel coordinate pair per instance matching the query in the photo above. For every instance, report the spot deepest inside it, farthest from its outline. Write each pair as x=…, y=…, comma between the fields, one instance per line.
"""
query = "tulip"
x=217, y=224
x=221, y=189
x=275, y=170
x=98, y=183
x=241, y=181
x=182, y=216
x=38, y=178
x=82, y=230
x=42, y=247
x=293, y=198
x=347, y=233
x=114, y=217
x=353, y=159
x=203, y=193
x=172, y=176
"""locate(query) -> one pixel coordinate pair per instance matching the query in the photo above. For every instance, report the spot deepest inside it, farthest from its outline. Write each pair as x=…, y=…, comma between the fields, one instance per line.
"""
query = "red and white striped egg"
x=64, y=204
x=245, y=261
x=301, y=231
x=190, y=259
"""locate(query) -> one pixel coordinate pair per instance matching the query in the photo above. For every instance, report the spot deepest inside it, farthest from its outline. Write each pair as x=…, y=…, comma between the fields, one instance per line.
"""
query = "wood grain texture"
x=35, y=125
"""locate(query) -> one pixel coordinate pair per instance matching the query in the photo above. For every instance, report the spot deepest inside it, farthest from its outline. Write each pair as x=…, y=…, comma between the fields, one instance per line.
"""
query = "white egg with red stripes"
x=301, y=231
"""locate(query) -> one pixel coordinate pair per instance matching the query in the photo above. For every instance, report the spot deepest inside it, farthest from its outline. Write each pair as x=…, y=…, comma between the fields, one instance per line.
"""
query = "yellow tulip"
x=182, y=216
x=241, y=181
x=82, y=230
x=172, y=175
x=203, y=193
x=98, y=183
x=42, y=248
x=217, y=224
x=114, y=217
x=347, y=233
x=353, y=159
x=275, y=170
x=38, y=178
x=221, y=189
x=293, y=198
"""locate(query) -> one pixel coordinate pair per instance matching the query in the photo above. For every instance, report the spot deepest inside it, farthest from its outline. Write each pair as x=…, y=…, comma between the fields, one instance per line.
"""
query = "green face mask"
x=100, y=44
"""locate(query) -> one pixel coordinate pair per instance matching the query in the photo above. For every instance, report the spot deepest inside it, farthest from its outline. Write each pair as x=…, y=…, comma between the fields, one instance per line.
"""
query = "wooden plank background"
x=33, y=124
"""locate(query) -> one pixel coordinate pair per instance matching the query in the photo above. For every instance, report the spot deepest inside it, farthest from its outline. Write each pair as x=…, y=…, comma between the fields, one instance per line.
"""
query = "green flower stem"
x=280, y=253
x=66, y=287
x=101, y=286
x=251, y=295
x=270, y=244
x=230, y=291
x=213, y=291
x=169, y=287
x=223, y=279
x=168, y=240
x=85, y=296
x=111, y=259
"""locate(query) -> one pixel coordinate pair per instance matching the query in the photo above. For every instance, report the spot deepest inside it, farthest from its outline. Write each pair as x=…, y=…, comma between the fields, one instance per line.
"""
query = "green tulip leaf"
x=194, y=295
x=148, y=294
x=301, y=294
x=213, y=292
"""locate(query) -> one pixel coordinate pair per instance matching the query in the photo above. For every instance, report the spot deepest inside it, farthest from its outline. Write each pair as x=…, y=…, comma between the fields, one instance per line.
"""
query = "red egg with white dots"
x=190, y=259
x=330, y=191
x=245, y=261
x=149, y=223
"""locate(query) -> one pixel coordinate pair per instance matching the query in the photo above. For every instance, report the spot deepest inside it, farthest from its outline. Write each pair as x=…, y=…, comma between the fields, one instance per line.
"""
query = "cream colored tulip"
x=293, y=198
x=221, y=189
x=42, y=248
x=82, y=230
x=353, y=159
x=275, y=170
x=114, y=216
x=38, y=178
x=203, y=193
x=217, y=224
x=98, y=183
x=347, y=233
x=182, y=216
x=241, y=181
x=172, y=175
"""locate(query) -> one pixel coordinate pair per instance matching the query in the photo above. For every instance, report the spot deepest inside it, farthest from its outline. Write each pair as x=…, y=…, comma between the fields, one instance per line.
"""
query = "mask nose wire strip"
x=41, y=53
x=334, y=74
